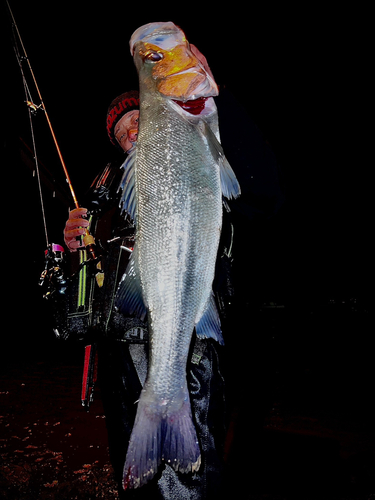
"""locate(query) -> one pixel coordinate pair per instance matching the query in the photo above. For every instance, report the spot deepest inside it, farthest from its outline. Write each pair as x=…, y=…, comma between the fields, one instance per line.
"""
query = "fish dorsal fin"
x=129, y=299
x=127, y=185
x=229, y=183
x=209, y=325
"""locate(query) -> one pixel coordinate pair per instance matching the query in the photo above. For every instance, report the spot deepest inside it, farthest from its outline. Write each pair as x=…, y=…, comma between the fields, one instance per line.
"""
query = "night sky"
x=298, y=78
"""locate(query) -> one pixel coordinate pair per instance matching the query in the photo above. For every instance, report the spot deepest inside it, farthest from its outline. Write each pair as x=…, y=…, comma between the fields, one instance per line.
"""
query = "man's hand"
x=75, y=226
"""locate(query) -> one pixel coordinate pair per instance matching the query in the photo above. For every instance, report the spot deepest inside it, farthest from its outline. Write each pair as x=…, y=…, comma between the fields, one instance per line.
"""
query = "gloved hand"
x=75, y=226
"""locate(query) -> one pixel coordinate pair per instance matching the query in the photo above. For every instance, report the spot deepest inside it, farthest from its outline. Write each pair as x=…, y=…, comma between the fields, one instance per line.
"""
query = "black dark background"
x=300, y=73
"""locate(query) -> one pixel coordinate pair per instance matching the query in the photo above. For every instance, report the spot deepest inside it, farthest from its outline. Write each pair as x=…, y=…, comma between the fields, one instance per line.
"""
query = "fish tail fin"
x=181, y=448
x=158, y=436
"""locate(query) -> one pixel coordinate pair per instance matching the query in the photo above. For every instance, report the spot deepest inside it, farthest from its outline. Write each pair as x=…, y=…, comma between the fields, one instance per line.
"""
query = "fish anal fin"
x=209, y=325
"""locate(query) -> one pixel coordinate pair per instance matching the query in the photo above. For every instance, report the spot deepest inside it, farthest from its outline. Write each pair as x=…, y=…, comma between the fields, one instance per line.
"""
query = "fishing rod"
x=88, y=239
x=43, y=107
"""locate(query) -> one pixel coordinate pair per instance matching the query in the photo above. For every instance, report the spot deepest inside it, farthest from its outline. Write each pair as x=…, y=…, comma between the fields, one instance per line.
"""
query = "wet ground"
x=50, y=447
x=301, y=424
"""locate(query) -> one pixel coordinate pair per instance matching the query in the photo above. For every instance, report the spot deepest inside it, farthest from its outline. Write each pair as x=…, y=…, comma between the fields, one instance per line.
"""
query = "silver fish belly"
x=178, y=172
x=179, y=213
x=179, y=223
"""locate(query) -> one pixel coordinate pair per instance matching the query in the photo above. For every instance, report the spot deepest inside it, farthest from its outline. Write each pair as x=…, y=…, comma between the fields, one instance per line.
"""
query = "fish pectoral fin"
x=129, y=299
x=209, y=325
x=229, y=184
x=127, y=185
x=159, y=436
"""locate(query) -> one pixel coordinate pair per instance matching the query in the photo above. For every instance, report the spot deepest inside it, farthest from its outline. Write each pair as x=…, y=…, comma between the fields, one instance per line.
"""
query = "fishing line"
x=25, y=56
x=31, y=108
x=88, y=239
x=38, y=177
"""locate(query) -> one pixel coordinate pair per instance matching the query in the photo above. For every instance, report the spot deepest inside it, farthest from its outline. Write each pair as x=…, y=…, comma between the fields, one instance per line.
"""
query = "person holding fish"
x=158, y=218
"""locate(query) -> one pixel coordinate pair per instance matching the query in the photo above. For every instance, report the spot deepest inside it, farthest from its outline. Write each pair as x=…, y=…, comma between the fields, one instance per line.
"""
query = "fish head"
x=166, y=63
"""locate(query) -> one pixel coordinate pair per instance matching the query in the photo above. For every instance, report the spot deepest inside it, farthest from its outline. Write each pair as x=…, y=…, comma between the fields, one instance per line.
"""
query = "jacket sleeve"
x=84, y=310
x=72, y=307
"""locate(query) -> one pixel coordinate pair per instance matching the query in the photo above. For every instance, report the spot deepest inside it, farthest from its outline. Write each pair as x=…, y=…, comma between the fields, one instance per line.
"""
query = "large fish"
x=172, y=186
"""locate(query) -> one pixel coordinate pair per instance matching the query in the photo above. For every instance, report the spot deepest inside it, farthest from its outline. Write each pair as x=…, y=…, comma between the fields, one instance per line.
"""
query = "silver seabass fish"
x=173, y=186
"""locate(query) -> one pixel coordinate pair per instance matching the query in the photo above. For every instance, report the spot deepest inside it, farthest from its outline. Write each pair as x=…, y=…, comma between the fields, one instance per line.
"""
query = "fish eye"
x=153, y=56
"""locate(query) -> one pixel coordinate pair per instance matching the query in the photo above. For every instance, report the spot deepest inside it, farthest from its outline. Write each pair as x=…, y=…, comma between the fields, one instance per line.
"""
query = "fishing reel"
x=53, y=276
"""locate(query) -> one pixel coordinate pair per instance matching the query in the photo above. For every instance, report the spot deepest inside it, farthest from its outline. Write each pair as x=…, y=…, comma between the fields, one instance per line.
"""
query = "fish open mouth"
x=194, y=106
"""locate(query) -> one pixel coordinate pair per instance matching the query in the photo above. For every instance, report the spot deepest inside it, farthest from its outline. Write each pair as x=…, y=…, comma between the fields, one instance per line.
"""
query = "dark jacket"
x=88, y=312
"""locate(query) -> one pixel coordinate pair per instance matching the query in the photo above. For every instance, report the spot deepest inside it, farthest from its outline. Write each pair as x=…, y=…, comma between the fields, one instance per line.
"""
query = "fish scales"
x=178, y=180
x=179, y=222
